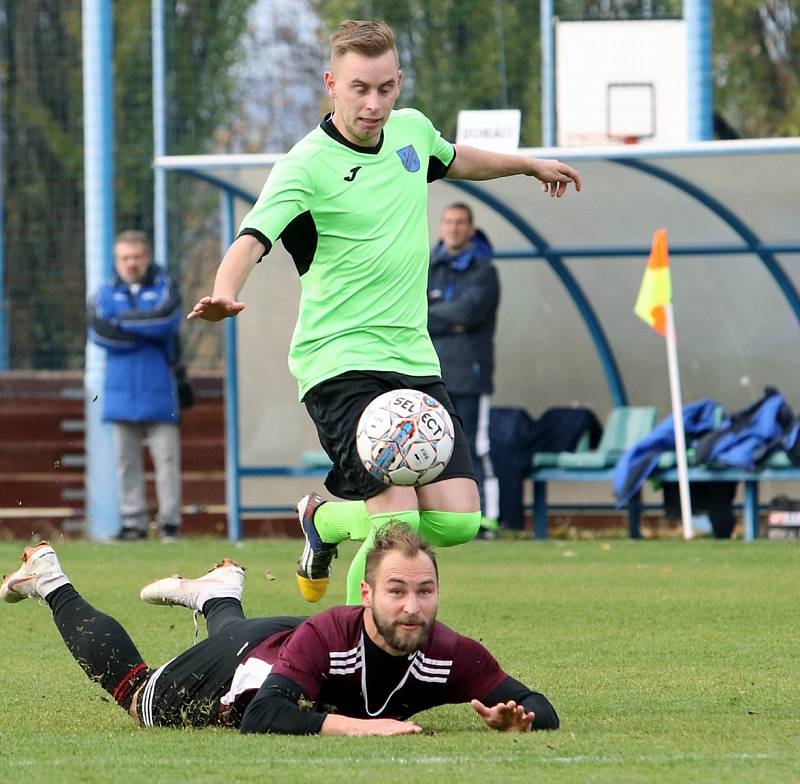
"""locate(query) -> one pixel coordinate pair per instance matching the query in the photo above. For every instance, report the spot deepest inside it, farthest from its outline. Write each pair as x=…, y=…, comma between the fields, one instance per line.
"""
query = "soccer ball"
x=405, y=437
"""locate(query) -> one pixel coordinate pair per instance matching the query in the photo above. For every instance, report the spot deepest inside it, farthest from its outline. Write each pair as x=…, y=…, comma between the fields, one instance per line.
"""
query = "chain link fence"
x=42, y=153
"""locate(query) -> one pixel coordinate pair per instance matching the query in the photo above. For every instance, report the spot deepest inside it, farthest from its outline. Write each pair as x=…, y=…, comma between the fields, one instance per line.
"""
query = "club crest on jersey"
x=408, y=155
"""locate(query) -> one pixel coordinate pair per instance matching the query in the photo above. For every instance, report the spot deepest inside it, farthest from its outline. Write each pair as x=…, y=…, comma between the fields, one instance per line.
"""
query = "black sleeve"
x=107, y=330
x=276, y=708
x=437, y=169
x=510, y=689
x=260, y=237
x=474, y=304
x=438, y=326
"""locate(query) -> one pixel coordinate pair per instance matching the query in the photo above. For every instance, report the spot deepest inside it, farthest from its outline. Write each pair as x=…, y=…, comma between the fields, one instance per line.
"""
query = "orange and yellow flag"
x=656, y=290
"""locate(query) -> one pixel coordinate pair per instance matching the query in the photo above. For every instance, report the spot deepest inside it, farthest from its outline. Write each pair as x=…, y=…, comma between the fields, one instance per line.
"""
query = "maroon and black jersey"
x=329, y=656
x=328, y=664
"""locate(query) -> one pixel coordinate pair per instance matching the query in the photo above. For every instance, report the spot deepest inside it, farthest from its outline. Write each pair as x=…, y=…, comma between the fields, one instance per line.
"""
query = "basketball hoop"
x=626, y=138
x=598, y=139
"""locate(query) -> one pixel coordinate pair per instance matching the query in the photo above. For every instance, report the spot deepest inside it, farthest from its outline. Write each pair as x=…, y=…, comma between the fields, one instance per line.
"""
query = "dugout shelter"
x=570, y=270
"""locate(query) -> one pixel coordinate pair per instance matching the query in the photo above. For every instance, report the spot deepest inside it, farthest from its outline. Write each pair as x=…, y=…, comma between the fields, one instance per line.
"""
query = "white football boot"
x=39, y=575
x=223, y=581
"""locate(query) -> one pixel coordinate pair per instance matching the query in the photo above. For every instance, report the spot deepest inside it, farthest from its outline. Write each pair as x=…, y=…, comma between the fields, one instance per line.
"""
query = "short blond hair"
x=396, y=536
x=133, y=237
x=368, y=37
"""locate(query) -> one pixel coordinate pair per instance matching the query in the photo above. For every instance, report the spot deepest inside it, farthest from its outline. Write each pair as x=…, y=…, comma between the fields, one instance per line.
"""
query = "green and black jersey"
x=355, y=220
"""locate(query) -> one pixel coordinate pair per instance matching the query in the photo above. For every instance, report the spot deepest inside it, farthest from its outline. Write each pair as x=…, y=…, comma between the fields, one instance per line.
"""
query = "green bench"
x=624, y=426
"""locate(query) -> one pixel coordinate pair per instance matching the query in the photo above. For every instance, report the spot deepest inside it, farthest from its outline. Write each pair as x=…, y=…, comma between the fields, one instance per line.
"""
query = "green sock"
x=337, y=521
x=356, y=572
x=445, y=529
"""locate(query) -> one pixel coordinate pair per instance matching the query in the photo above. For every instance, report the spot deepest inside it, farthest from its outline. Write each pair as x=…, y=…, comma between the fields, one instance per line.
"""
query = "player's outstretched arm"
x=276, y=709
x=335, y=724
x=505, y=716
x=474, y=164
x=236, y=265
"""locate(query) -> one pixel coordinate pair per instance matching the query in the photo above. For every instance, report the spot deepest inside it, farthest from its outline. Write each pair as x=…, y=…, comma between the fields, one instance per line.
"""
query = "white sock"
x=52, y=579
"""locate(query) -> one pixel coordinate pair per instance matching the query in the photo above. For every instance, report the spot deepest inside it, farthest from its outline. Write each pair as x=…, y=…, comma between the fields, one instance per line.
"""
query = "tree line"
x=42, y=146
x=456, y=54
x=460, y=53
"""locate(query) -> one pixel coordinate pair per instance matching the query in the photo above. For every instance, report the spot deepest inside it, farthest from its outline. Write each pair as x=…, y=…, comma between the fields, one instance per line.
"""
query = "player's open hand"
x=345, y=725
x=391, y=727
x=555, y=176
x=215, y=309
x=505, y=716
x=336, y=724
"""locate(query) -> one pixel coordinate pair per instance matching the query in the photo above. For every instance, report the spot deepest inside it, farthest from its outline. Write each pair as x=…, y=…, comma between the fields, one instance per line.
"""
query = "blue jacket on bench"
x=749, y=436
x=638, y=462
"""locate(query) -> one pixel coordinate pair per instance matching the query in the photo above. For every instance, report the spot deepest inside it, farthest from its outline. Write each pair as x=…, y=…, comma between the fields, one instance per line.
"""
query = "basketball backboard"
x=621, y=82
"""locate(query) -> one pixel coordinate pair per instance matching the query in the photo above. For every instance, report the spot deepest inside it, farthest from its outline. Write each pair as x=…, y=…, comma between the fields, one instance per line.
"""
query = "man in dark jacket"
x=136, y=316
x=463, y=295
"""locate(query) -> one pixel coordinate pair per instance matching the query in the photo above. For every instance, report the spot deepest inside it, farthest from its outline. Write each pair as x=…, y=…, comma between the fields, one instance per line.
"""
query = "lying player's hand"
x=335, y=724
x=555, y=176
x=215, y=309
x=505, y=716
x=388, y=727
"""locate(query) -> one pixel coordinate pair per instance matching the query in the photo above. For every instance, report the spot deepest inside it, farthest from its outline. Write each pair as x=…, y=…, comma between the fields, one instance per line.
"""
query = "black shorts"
x=185, y=692
x=336, y=405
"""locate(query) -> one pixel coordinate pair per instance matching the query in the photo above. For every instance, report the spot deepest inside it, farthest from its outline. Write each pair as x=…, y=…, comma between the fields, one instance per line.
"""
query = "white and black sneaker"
x=128, y=534
x=169, y=534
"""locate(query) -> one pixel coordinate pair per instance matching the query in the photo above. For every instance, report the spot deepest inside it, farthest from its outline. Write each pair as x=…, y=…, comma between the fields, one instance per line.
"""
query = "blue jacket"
x=139, y=332
x=749, y=436
x=639, y=461
x=463, y=295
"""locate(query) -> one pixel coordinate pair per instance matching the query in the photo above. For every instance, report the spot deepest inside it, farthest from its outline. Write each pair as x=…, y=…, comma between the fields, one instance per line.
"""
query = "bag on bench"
x=748, y=437
x=791, y=443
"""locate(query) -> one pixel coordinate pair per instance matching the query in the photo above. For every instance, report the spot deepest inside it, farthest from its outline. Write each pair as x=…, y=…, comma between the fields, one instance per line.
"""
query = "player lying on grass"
x=346, y=671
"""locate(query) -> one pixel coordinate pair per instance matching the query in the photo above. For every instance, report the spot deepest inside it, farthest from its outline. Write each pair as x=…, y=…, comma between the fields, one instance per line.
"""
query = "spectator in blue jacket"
x=136, y=316
x=463, y=295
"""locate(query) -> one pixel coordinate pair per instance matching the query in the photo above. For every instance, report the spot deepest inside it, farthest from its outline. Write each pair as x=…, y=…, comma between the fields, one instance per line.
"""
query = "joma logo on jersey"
x=352, y=174
x=408, y=155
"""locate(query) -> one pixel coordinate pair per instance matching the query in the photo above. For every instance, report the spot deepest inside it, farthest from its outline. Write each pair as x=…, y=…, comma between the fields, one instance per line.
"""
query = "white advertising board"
x=491, y=129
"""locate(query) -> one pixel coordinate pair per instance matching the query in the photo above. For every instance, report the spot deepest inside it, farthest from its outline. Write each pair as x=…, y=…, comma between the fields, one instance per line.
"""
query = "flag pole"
x=654, y=307
x=677, y=419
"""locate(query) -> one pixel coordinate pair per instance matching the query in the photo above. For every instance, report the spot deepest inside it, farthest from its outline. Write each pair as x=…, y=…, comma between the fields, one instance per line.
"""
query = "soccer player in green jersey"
x=349, y=202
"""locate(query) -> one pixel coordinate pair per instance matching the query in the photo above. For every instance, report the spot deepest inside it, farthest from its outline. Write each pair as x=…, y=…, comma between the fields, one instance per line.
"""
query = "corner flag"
x=656, y=290
x=654, y=305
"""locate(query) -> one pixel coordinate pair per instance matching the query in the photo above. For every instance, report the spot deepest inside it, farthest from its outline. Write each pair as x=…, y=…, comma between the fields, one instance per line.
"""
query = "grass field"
x=666, y=662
